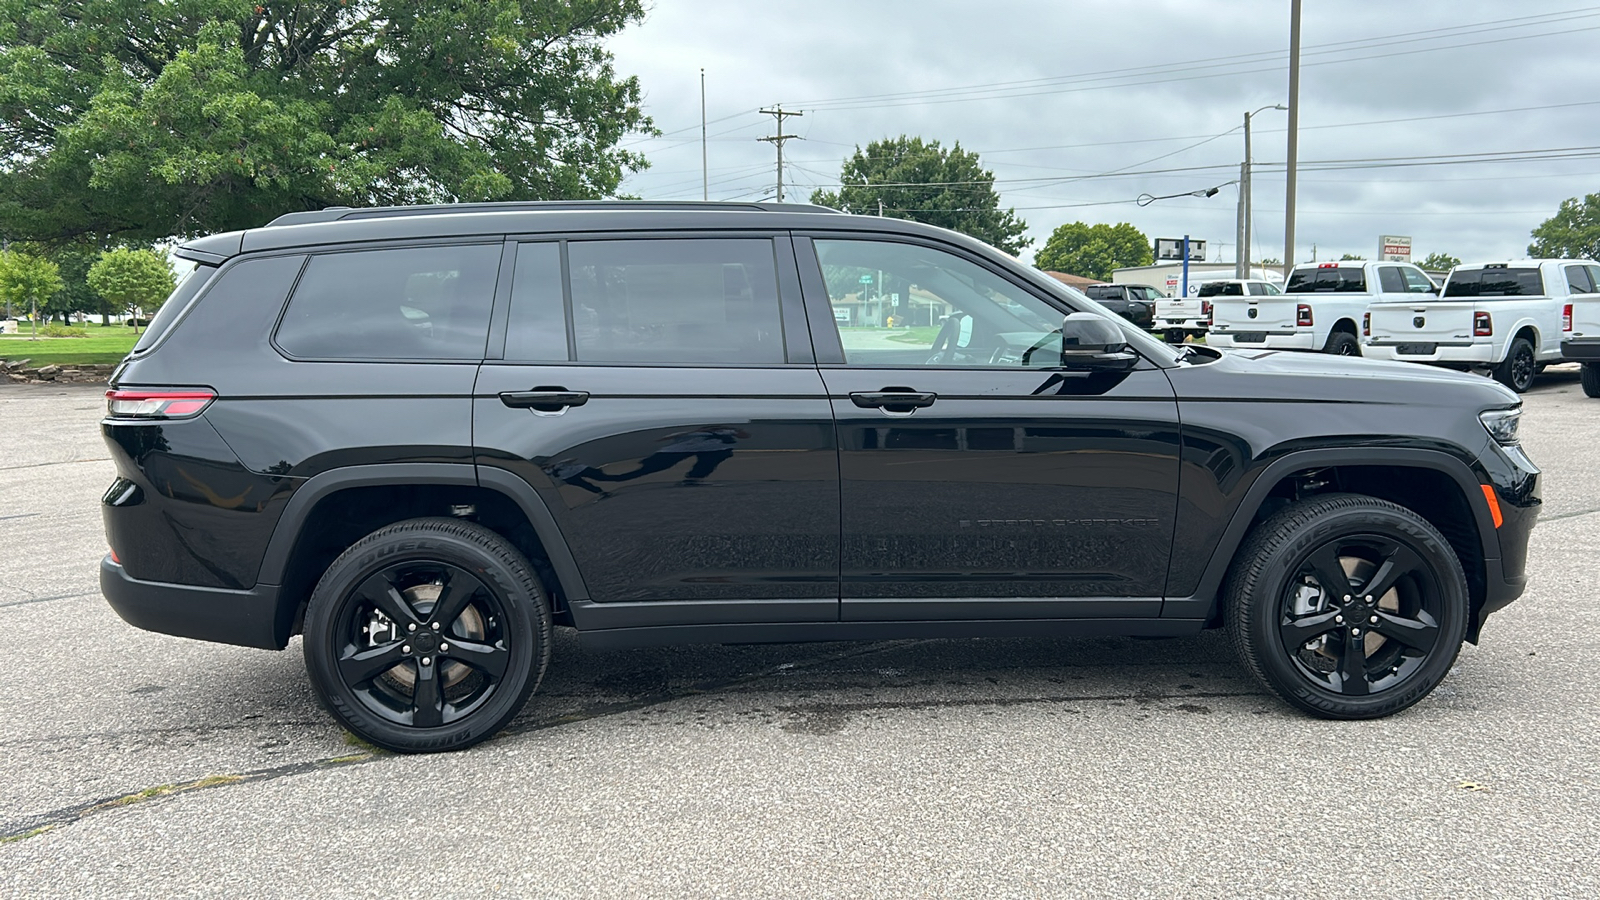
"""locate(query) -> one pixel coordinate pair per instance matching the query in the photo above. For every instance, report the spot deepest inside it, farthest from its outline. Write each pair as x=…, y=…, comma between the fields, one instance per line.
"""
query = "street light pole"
x=1242, y=270
x=1294, y=138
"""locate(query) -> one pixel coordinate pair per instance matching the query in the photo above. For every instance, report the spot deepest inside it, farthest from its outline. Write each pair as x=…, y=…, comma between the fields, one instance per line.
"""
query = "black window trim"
x=480, y=240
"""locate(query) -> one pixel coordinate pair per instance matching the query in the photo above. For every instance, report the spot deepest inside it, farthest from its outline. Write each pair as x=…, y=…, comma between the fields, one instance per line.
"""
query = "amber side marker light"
x=1494, y=503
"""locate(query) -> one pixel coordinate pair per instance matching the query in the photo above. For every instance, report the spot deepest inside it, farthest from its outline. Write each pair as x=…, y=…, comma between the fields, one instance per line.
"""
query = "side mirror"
x=1090, y=341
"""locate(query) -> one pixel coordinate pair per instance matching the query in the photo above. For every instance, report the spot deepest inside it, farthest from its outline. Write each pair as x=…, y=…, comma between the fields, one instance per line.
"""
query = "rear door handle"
x=894, y=400
x=544, y=399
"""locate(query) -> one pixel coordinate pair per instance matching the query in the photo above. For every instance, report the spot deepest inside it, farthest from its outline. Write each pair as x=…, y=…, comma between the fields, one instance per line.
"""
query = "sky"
x=1461, y=124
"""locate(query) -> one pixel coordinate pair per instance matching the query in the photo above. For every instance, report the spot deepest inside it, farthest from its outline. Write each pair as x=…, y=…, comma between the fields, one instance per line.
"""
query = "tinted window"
x=411, y=303
x=687, y=301
x=1594, y=276
x=1222, y=289
x=1105, y=292
x=1496, y=281
x=1416, y=281
x=906, y=305
x=1389, y=279
x=1340, y=279
x=537, y=329
x=189, y=283
x=1578, y=280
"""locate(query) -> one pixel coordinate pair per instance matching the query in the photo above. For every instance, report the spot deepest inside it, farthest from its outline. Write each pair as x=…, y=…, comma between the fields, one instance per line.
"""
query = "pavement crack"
x=1570, y=515
x=9, y=603
x=59, y=462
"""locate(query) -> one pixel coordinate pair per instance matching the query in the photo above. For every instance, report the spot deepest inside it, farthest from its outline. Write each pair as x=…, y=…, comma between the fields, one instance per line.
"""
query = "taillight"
x=1566, y=317
x=1205, y=309
x=1482, y=325
x=1302, y=314
x=1366, y=324
x=174, y=404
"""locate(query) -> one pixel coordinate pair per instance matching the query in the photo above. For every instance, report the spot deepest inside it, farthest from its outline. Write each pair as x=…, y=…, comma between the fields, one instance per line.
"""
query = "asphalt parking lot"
x=138, y=764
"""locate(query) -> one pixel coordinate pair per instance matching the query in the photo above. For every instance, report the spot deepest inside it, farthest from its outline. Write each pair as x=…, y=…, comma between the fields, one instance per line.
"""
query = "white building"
x=1167, y=276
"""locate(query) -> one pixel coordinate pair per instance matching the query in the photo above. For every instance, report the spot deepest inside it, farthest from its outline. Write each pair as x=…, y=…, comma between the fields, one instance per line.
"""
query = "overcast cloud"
x=1105, y=88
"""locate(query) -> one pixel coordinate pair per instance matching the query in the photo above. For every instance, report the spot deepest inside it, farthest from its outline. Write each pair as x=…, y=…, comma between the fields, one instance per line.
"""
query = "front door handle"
x=544, y=399
x=899, y=400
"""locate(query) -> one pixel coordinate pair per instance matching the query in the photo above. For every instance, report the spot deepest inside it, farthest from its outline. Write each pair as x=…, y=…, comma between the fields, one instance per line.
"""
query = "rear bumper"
x=1271, y=340
x=247, y=618
x=1581, y=350
x=1198, y=326
x=1465, y=354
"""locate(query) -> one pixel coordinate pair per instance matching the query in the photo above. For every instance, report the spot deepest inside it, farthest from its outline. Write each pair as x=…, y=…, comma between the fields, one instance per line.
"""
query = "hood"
x=1291, y=375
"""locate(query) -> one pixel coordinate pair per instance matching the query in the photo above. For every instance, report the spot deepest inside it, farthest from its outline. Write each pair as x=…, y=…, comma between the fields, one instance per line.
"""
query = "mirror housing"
x=1089, y=341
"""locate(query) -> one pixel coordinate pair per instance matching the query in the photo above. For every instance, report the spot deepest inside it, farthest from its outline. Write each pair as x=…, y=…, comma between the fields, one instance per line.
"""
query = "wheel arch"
x=1345, y=324
x=336, y=508
x=1400, y=475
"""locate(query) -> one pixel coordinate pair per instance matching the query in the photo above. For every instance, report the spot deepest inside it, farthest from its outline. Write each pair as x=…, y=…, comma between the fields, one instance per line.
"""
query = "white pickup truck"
x=1580, y=323
x=1504, y=317
x=1321, y=308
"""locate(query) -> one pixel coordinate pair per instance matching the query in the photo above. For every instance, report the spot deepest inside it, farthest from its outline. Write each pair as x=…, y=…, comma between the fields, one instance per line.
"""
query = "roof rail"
x=344, y=213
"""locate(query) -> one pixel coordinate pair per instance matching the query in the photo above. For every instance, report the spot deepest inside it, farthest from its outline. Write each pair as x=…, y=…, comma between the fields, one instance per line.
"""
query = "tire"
x=393, y=681
x=1591, y=379
x=1297, y=636
x=1342, y=343
x=1516, y=371
x=1174, y=335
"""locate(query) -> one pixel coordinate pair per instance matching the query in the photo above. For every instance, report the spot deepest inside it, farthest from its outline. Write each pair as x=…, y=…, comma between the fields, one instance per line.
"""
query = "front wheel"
x=1591, y=379
x=1518, y=368
x=1347, y=607
x=1342, y=343
x=427, y=635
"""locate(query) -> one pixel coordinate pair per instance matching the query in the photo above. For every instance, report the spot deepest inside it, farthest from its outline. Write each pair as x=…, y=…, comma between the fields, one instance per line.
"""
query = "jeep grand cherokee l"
x=424, y=437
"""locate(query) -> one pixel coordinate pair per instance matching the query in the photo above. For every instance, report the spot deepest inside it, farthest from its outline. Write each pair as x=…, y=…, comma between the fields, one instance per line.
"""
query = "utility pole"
x=780, y=137
x=1294, y=138
x=705, y=174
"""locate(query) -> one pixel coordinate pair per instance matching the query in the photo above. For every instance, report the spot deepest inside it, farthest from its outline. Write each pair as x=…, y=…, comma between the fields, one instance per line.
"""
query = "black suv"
x=1134, y=302
x=422, y=437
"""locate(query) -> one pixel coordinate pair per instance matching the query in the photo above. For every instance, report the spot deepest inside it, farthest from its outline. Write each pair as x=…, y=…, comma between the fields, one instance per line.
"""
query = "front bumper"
x=248, y=618
x=1581, y=350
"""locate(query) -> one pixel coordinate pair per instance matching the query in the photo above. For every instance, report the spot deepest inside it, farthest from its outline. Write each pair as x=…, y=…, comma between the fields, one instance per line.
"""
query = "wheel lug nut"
x=444, y=648
x=1339, y=619
x=1368, y=599
x=434, y=626
x=405, y=648
x=1347, y=598
x=426, y=660
x=1355, y=631
x=1373, y=620
x=412, y=627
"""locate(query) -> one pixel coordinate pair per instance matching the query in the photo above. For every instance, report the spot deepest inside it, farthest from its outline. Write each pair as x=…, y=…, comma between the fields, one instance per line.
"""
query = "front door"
x=980, y=478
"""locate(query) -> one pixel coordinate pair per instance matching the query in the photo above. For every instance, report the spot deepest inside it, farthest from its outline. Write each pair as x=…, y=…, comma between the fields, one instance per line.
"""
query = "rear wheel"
x=1518, y=368
x=427, y=635
x=1591, y=379
x=1347, y=607
x=1342, y=343
x=1175, y=335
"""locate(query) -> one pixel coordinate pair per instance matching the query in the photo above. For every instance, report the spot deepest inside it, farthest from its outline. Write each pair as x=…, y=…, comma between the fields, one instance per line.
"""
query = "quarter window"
x=1416, y=281
x=675, y=301
x=412, y=303
x=537, y=329
x=908, y=305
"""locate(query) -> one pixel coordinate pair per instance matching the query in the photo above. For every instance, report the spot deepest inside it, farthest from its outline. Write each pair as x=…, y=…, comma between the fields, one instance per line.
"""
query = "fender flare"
x=287, y=532
x=1204, y=600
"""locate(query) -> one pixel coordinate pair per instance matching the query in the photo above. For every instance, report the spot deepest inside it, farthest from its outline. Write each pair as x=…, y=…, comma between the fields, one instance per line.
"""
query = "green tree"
x=1439, y=262
x=1572, y=233
x=25, y=278
x=136, y=280
x=1092, y=251
x=145, y=120
x=922, y=181
x=1348, y=256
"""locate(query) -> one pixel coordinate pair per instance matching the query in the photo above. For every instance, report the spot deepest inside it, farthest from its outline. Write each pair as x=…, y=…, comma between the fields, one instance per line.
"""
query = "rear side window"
x=1416, y=281
x=1221, y=289
x=1389, y=279
x=413, y=303
x=675, y=301
x=189, y=284
x=1338, y=279
x=1495, y=281
x=537, y=329
x=1578, y=280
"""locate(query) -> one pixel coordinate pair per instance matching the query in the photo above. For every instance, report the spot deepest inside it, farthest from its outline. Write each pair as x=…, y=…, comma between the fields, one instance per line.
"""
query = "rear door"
x=981, y=479
x=659, y=394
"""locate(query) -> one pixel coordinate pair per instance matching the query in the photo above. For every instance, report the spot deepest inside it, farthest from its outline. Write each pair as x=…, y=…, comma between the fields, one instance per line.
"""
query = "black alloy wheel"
x=1519, y=368
x=427, y=635
x=1347, y=607
x=1342, y=343
x=1174, y=335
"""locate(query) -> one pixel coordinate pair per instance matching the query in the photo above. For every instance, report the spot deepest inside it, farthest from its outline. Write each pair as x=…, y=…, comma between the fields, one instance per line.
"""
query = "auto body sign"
x=1394, y=248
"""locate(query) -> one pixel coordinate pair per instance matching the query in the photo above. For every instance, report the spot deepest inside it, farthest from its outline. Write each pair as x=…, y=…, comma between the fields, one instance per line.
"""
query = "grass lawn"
x=105, y=344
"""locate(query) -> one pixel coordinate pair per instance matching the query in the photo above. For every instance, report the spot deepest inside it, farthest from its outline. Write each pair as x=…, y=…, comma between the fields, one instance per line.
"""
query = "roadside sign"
x=1394, y=247
x=866, y=279
x=1172, y=248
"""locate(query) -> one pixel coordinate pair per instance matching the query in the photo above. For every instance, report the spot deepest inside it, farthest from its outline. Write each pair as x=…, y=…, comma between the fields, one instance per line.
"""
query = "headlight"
x=1502, y=424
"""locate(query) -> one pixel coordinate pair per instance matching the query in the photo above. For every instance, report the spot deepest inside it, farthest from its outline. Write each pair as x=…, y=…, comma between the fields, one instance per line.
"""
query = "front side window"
x=413, y=303
x=908, y=305
x=704, y=301
x=1390, y=280
x=1416, y=281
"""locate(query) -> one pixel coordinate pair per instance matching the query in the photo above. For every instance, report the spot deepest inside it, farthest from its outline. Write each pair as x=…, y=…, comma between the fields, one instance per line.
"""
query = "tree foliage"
x=145, y=120
x=1352, y=256
x=26, y=280
x=1572, y=233
x=922, y=181
x=132, y=279
x=1092, y=251
x=1439, y=262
